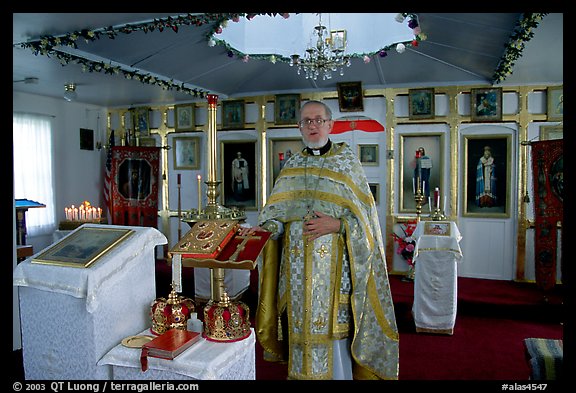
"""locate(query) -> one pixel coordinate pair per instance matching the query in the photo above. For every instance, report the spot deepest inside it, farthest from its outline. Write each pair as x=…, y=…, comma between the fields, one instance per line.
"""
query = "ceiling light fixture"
x=325, y=56
x=70, y=92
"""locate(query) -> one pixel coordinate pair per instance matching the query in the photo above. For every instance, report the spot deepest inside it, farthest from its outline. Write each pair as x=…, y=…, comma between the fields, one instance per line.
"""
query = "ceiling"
x=460, y=49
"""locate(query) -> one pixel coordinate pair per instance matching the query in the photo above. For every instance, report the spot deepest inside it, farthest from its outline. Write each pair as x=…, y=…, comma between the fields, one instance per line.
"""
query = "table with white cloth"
x=436, y=256
x=204, y=360
x=72, y=316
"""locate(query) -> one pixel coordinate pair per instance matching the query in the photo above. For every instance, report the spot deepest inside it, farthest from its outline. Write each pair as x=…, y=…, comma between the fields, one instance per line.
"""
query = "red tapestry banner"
x=134, y=187
x=547, y=175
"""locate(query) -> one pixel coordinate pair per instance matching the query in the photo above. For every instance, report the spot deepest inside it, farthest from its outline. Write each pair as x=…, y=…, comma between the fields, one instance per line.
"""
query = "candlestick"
x=436, y=197
x=178, y=179
x=199, y=193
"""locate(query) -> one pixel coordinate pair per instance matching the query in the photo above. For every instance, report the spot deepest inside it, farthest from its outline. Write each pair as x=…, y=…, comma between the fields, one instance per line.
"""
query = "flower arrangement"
x=406, y=243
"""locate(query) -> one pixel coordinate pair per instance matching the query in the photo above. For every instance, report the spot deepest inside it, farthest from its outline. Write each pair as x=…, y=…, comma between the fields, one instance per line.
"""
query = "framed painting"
x=486, y=182
x=148, y=141
x=232, y=114
x=286, y=109
x=375, y=190
x=280, y=151
x=86, y=139
x=368, y=154
x=430, y=146
x=486, y=104
x=83, y=247
x=338, y=39
x=555, y=100
x=186, y=152
x=350, y=96
x=551, y=132
x=141, y=120
x=239, y=173
x=184, y=117
x=421, y=104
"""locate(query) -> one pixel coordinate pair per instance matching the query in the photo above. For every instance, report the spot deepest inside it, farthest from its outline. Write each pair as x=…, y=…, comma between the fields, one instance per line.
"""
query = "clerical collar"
x=321, y=151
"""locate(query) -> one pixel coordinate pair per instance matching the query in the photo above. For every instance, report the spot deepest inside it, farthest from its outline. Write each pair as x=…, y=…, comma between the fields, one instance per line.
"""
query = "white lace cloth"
x=205, y=360
x=436, y=277
x=71, y=317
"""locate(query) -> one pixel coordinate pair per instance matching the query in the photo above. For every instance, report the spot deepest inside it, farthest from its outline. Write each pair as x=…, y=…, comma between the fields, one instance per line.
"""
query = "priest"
x=325, y=304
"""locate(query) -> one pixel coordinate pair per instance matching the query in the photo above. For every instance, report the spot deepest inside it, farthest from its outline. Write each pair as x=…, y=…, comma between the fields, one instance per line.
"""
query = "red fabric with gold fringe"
x=134, y=187
x=547, y=175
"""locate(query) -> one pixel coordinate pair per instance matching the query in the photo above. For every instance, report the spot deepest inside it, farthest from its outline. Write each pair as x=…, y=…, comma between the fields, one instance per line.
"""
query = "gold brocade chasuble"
x=331, y=288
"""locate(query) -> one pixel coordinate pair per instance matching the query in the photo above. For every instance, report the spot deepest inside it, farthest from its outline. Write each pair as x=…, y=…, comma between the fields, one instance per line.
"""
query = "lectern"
x=72, y=315
x=436, y=256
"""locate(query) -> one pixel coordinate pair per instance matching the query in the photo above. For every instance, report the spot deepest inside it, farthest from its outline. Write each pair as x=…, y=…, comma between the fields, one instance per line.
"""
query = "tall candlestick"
x=199, y=193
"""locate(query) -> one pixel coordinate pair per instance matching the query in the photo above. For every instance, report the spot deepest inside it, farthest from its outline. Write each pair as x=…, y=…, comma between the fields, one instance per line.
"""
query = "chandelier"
x=325, y=56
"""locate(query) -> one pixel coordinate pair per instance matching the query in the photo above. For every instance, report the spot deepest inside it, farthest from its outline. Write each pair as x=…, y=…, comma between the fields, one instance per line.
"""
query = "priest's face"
x=315, y=125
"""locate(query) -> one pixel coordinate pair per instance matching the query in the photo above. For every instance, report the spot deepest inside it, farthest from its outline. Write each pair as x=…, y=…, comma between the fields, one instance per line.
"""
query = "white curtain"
x=33, y=173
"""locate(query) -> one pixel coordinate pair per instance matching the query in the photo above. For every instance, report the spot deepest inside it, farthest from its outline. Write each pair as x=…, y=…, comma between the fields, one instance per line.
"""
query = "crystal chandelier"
x=325, y=57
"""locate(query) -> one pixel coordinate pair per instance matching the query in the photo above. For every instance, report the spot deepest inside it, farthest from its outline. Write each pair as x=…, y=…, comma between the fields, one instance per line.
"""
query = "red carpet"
x=493, y=319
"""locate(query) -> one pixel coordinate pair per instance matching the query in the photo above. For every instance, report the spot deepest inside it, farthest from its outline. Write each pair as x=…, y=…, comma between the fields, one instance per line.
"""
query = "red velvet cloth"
x=547, y=175
x=134, y=186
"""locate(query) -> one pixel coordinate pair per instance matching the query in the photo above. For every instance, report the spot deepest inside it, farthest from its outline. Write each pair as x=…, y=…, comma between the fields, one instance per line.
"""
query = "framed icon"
x=421, y=104
x=486, y=104
x=232, y=114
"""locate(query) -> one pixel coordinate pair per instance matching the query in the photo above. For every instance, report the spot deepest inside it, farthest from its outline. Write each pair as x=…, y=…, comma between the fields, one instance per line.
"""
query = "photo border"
x=474, y=115
x=428, y=95
x=228, y=149
x=196, y=162
x=191, y=125
x=356, y=89
x=83, y=236
x=233, y=105
x=469, y=172
x=293, y=101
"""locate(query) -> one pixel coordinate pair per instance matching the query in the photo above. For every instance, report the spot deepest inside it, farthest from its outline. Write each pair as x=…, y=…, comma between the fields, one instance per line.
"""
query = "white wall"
x=78, y=172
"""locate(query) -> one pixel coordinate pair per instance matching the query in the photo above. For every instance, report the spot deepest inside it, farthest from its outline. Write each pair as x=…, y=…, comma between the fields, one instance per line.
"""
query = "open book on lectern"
x=217, y=244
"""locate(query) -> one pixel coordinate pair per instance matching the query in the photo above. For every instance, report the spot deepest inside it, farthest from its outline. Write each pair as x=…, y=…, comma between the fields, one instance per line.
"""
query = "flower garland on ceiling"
x=47, y=44
x=523, y=32
x=273, y=58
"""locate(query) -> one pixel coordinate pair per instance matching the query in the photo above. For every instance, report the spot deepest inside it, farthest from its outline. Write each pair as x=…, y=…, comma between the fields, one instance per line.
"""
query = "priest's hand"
x=247, y=231
x=321, y=225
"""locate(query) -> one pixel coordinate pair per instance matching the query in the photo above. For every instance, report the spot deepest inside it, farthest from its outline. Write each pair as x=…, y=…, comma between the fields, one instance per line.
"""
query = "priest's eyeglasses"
x=309, y=122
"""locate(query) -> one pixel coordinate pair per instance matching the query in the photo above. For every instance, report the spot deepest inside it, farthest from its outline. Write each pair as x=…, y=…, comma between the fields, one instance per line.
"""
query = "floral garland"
x=46, y=45
x=523, y=32
x=273, y=58
x=406, y=243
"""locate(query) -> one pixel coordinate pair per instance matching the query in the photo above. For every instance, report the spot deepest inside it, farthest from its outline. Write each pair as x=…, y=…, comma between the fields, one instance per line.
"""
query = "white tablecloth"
x=435, y=284
x=70, y=317
x=205, y=360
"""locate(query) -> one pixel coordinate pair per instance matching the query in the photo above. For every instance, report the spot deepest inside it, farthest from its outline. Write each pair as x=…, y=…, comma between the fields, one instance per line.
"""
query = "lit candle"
x=437, y=198
x=199, y=193
x=414, y=186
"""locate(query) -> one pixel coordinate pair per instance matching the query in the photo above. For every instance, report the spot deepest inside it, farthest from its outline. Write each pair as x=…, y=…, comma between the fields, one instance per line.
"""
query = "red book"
x=168, y=345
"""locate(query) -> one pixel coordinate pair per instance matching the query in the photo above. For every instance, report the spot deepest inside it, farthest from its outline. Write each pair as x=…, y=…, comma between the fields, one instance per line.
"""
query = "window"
x=33, y=174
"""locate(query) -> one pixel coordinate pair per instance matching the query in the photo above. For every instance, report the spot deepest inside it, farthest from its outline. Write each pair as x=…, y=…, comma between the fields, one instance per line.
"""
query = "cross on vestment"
x=240, y=247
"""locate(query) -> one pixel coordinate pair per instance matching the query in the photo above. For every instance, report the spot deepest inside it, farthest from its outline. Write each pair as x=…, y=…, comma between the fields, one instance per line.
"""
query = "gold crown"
x=171, y=313
x=226, y=321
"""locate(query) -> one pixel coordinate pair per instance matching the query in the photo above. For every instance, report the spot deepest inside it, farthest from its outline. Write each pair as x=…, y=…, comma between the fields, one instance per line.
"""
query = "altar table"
x=204, y=360
x=436, y=256
x=70, y=317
